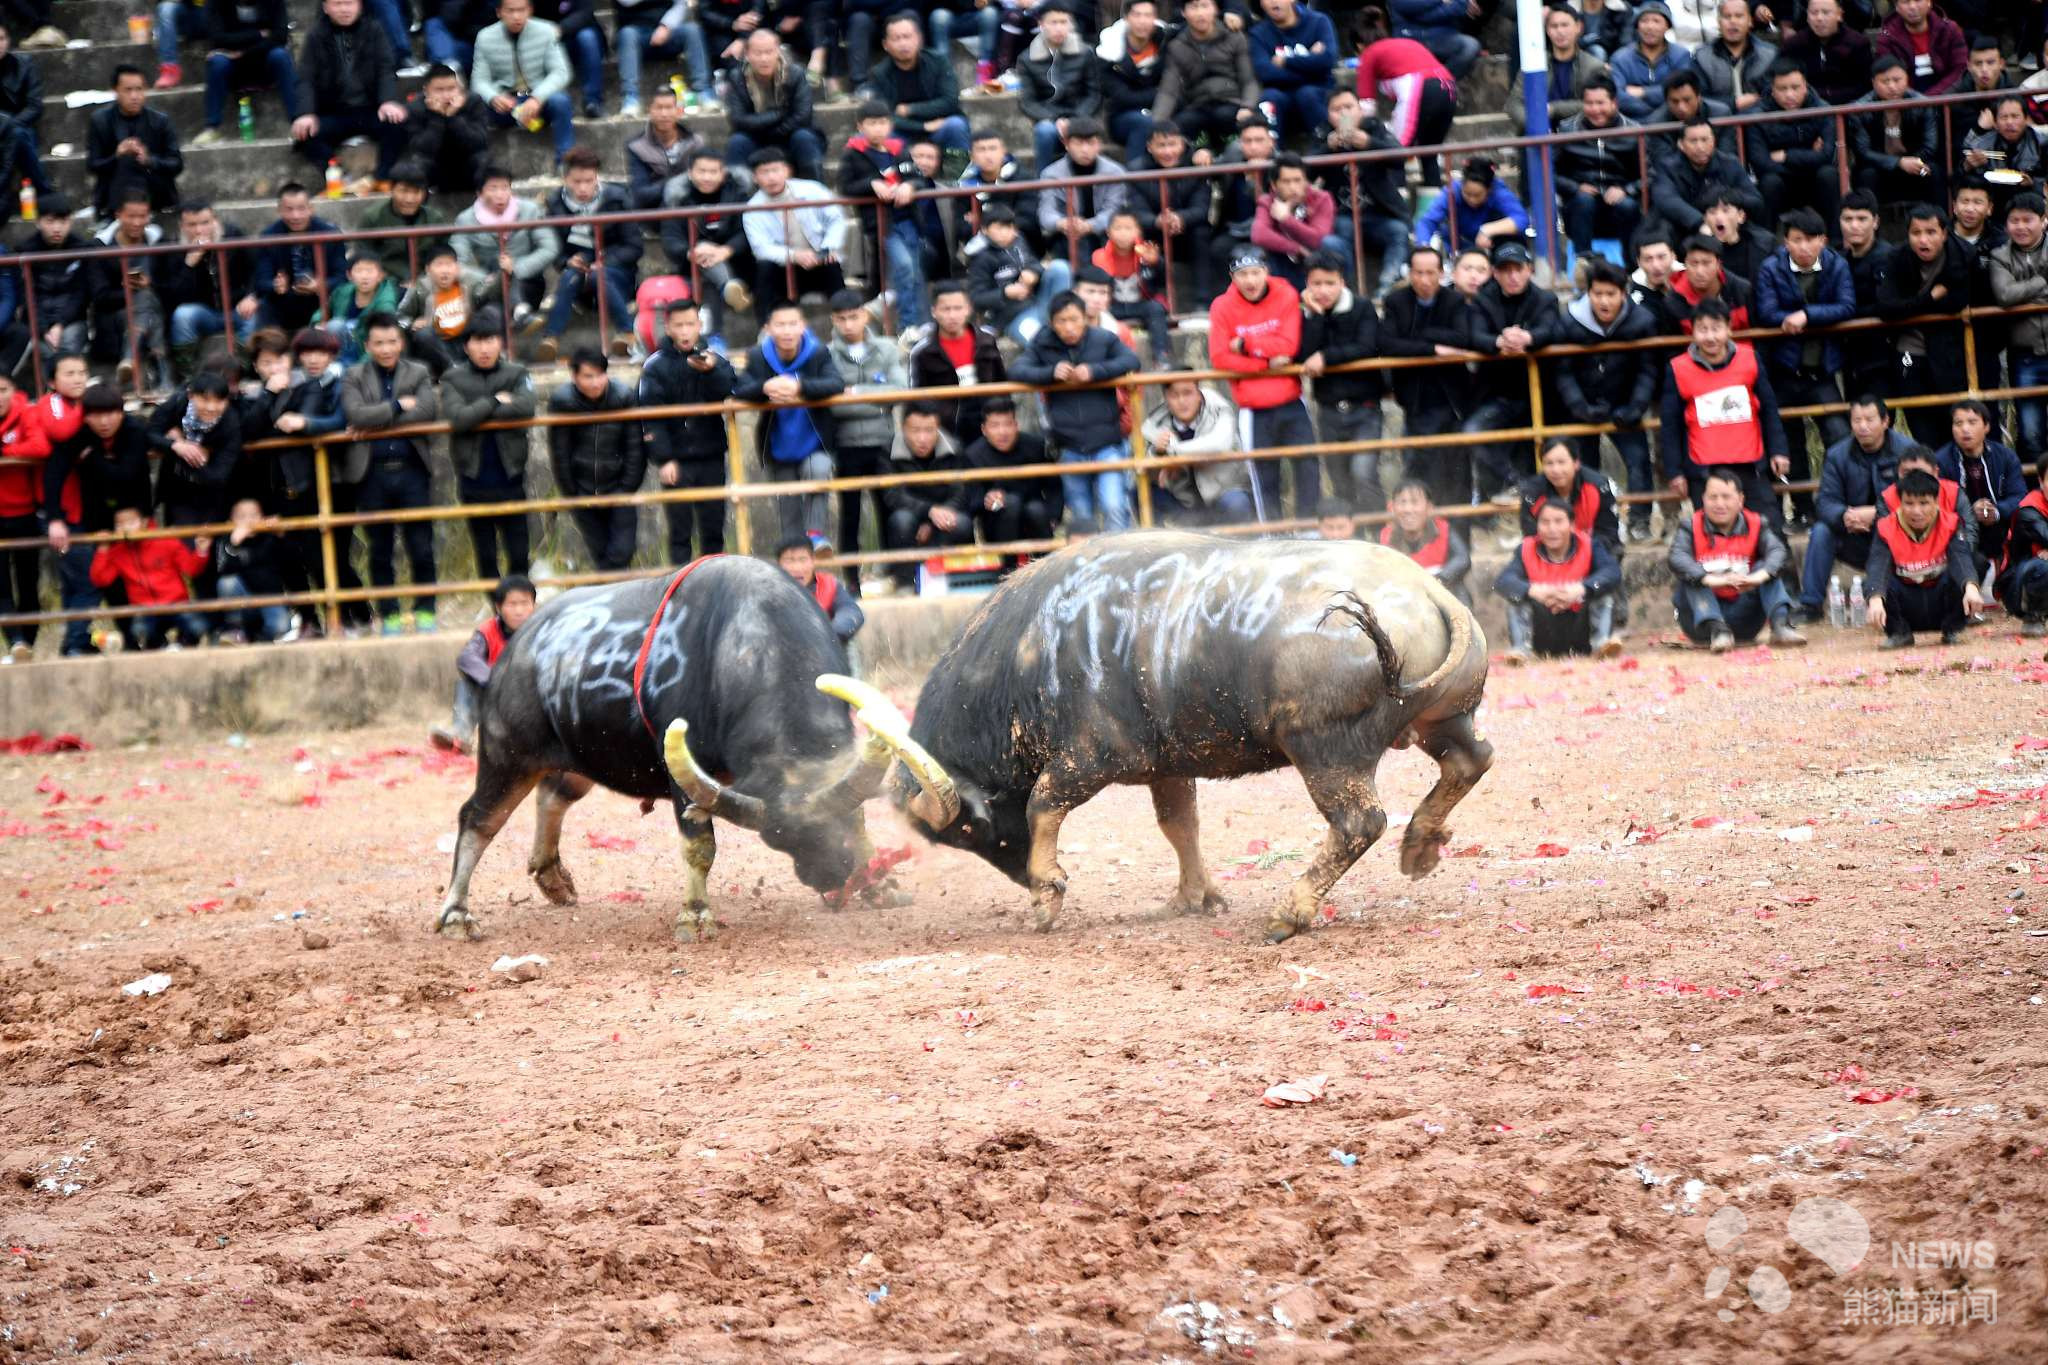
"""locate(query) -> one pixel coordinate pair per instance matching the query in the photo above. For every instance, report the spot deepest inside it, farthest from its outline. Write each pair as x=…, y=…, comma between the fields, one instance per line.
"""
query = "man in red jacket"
x=21, y=438
x=1931, y=45
x=1255, y=328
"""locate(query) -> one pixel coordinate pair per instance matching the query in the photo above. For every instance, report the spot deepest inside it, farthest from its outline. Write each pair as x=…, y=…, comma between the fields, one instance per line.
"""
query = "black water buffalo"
x=1157, y=658
x=726, y=683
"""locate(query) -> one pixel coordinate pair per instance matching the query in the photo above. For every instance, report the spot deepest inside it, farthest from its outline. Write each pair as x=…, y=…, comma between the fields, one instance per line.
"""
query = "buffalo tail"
x=1359, y=612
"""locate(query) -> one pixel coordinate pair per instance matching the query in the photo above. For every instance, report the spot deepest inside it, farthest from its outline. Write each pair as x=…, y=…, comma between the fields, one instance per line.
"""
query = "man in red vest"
x=1921, y=575
x=2023, y=576
x=1725, y=562
x=799, y=559
x=1719, y=411
x=1559, y=588
x=513, y=601
x=1434, y=542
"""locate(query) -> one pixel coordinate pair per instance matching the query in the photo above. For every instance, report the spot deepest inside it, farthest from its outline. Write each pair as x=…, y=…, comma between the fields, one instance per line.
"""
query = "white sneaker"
x=408, y=72
x=22, y=653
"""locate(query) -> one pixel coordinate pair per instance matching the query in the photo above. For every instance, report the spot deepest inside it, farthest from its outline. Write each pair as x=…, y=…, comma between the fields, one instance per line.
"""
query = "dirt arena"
x=1717, y=935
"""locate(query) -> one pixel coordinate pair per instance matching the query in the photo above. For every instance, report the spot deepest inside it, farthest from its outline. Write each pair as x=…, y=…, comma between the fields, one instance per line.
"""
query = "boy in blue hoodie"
x=788, y=367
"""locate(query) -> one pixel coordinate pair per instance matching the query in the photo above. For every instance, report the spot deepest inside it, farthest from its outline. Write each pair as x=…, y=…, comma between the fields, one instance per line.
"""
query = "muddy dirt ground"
x=1719, y=935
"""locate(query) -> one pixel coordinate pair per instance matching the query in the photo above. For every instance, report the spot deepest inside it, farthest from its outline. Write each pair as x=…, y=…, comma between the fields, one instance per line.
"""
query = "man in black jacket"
x=599, y=457
x=1598, y=183
x=1338, y=327
x=1015, y=508
x=1132, y=63
x=768, y=101
x=127, y=143
x=1611, y=386
x=1931, y=276
x=718, y=250
x=918, y=85
x=1794, y=160
x=21, y=116
x=248, y=47
x=1680, y=185
x=197, y=437
x=106, y=466
x=290, y=273
x=688, y=452
x=353, y=77
x=1866, y=356
x=580, y=195
x=1510, y=316
x=1182, y=212
x=928, y=516
x=61, y=295
x=189, y=284
x=1896, y=155
x=127, y=314
x=1423, y=318
x=450, y=133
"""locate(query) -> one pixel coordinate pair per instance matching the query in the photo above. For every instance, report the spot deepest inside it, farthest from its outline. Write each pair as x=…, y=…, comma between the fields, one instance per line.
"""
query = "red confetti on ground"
x=625, y=897
x=33, y=743
x=611, y=842
x=1256, y=847
x=1875, y=1096
x=1539, y=992
x=1303, y=1004
x=106, y=843
x=2029, y=742
x=1845, y=1076
x=1551, y=850
x=1469, y=851
x=203, y=907
x=876, y=872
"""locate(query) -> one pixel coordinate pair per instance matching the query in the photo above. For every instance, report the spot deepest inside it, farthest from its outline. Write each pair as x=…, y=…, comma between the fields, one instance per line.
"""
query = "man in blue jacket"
x=1439, y=25
x=1294, y=54
x=1488, y=212
x=790, y=367
x=1801, y=287
x=1988, y=474
x=1853, y=476
x=1640, y=68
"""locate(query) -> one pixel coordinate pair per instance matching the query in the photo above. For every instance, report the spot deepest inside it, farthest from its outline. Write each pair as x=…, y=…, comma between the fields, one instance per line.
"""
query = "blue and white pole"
x=1540, y=190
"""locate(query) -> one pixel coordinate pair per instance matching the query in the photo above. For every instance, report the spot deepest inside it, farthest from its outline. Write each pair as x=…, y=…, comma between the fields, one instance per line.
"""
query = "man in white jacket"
x=1199, y=421
x=807, y=235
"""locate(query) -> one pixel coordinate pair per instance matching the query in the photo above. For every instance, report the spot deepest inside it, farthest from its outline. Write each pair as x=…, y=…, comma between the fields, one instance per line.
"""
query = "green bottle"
x=247, y=118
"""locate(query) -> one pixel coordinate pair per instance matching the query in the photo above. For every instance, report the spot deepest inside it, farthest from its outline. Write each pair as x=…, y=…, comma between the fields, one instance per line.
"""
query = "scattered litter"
x=1203, y=1323
x=85, y=99
x=878, y=1294
x=1302, y=975
x=612, y=843
x=1305, y=1091
x=1876, y=1096
x=520, y=968
x=1342, y=1157
x=1551, y=850
x=156, y=983
x=1798, y=834
x=445, y=844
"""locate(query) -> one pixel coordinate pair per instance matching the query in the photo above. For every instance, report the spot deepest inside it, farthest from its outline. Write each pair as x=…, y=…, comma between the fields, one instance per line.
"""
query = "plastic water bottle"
x=28, y=201
x=246, y=119
x=1857, y=617
x=1838, y=604
x=334, y=179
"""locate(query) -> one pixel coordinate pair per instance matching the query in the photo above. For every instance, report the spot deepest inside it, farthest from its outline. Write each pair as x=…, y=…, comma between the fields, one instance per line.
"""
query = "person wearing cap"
x=1254, y=328
x=1006, y=282
x=1719, y=411
x=1059, y=82
x=917, y=85
x=1510, y=315
x=490, y=466
x=806, y=240
x=768, y=102
x=1176, y=221
x=1082, y=229
x=1207, y=87
x=1639, y=69
x=1294, y=57
x=876, y=165
x=1835, y=56
x=406, y=207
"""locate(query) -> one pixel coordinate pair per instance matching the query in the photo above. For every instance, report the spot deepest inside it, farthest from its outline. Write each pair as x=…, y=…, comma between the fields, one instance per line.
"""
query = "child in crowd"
x=1135, y=278
x=513, y=602
x=152, y=573
x=800, y=562
x=436, y=311
x=249, y=562
x=1334, y=521
x=370, y=292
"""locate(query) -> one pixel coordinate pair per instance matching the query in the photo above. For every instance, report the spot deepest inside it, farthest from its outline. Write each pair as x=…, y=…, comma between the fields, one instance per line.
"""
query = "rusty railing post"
x=604, y=332
x=1842, y=151
x=35, y=336
x=1358, y=236
x=505, y=303
x=1536, y=410
x=1166, y=248
x=134, y=336
x=696, y=276
x=882, y=267
x=227, y=304
x=1073, y=239
x=1139, y=451
x=323, y=488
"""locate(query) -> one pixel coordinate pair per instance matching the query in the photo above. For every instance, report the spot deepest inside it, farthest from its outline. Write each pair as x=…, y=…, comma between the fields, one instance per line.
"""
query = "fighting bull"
x=651, y=687
x=1155, y=659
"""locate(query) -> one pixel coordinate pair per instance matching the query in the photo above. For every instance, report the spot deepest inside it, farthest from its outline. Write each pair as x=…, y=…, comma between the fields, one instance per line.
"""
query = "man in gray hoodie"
x=874, y=364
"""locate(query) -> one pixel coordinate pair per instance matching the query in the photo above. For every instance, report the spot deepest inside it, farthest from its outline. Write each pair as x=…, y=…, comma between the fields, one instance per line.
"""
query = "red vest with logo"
x=496, y=637
x=1734, y=553
x=1950, y=491
x=1433, y=552
x=1575, y=568
x=1585, y=505
x=1721, y=423
x=1919, y=562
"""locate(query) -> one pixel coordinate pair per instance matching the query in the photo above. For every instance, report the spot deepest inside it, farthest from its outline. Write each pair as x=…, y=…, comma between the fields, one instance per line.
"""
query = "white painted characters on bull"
x=583, y=656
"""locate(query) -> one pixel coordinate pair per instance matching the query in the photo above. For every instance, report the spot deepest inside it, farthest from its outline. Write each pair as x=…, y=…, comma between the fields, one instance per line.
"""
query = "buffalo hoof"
x=456, y=922
x=1420, y=853
x=1046, y=904
x=1209, y=903
x=696, y=925
x=1280, y=930
x=555, y=883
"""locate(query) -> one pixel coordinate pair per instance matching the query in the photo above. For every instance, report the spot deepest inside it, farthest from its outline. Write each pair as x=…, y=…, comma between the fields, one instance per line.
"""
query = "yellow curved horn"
x=937, y=802
x=699, y=786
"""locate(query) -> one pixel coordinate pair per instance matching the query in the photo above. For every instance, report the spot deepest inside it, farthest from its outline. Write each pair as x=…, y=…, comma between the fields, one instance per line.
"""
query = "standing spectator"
x=21, y=497
x=876, y=164
x=688, y=452
x=1560, y=591
x=1131, y=54
x=1018, y=508
x=490, y=466
x=1987, y=472
x=1853, y=477
x=956, y=353
x=1921, y=575
x=367, y=294
x=788, y=367
x=1208, y=86
x=1835, y=57
x=1719, y=410
x=85, y=482
x=521, y=72
x=1725, y=564
x=1005, y=280
x=293, y=276
x=1086, y=423
x=386, y=391
x=719, y=260
x=768, y=103
x=1569, y=66
x=1895, y=154
x=451, y=134
x=1598, y=181
x=1195, y=421
x=596, y=458
x=152, y=573
x=1295, y=220
x=190, y=285
x=2019, y=276
x=127, y=144
x=803, y=241
x=1136, y=277
x=21, y=115
x=796, y=557
x=1255, y=326
x=1615, y=386
x=1338, y=327
x=929, y=516
x=35, y=498
x=127, y=313
x=1440, y=26
x=578, y=260
x=1682, y=185
x=2023, y=578
x=249, y=562
x=1433, y=542
x=1932, y=276
x=1734, y=68
x=872, y=365
x=451, y=31
x=1804, y=286
x=1294, y=56
x=1060, y=84
x=197, y=438
x=1794, y=159
x=917, y=85
x=1641, y=68
x=249, y=48
x=1079, y=223
x=661, y=30
x=1866, y=356
x=306, y=403
x=506, y=251
x=1422, y=318
x=1478, y=209
x=1510, y=316
x=1400, y=84
x=351, y=74
x=1931, y=45
x=658, y=160
x=404, y=258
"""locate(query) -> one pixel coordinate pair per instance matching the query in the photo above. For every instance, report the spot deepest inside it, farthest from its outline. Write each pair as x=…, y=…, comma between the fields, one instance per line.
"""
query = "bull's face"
x=992, y=827
x=821, y=837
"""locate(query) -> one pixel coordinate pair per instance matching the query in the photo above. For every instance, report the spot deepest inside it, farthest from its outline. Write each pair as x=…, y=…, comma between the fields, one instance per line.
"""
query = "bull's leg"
x=558, y=792
x=1462, y=759
x=1173, y=801
x=498, y=793
x=700, y=849
x=1047, y=809
x=1349, y=799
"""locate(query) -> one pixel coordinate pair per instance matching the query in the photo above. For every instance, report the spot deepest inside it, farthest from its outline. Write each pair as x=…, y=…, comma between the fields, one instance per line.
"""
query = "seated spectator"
x=1059, y=85
x=1440, y=26
x=512, y=603
x=1085, y=423
x=1853, y=474
x=504, y=253
x=1207, y=86
x=712, y=250
x=450, y=132
x=1254, y=327
x=1334, y=521
x=1510, y=315
x=1794, y=160
x=872, y=364
x=21, y=115
x=1559, y=588
x=1237, y=196
x=1294, y=57
x=1704, y=278
x=522, y=74
x=1950, y=494
x=688, y=452
x=1009, y=510
x=1560, y=477
x=1735, y=67
x=989, y=163
x=1988, y=473
x=189, y=285
x=452, y=32
x=1898, y=154
x=351, y=77
x=1337, y=328
x=1570, y=67
x=2019, y=275
x=1433, y=542
x=1719, y=411
x=152, y=573
x=875, y=164
x=368, y=293
x=1725, y=563
x=1835, y=57
x=796, y=557
x=2023, y=577
x=956, y=352
x=1598, y=182
x=917, y=86
x=1615, y=386
x=404, y=258
x=1931, y=45
x=2010, y=144
x=789, y=366
x=1131, y=55
x=663, y=31
x=1921, y=575
x=1381, y=204
x=127, y=313
x=1984, y=75
x=796, y=252
x=1745, y=245
x=385, y=391
x=1194, y=420
x=1932, y=276
x=127, y=143
x=582, y=195
x=1296, y=219
x=1136, y=279
x=196, y=436
x=249, y=49
x=597, y=458
x=583, y=39
x=1685, y=101
x=1005, y=281
x=930, y=516
x=249, y=562
x=1486, y=211
x=1076, y=220
x=768, y=102
x=1682, y=185
x=658, y=160
x=292, y=276
x=1640, y=69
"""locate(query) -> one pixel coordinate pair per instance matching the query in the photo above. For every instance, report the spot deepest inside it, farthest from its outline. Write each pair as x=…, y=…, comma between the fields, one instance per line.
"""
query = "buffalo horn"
x=937, y=804
x=704, y=793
